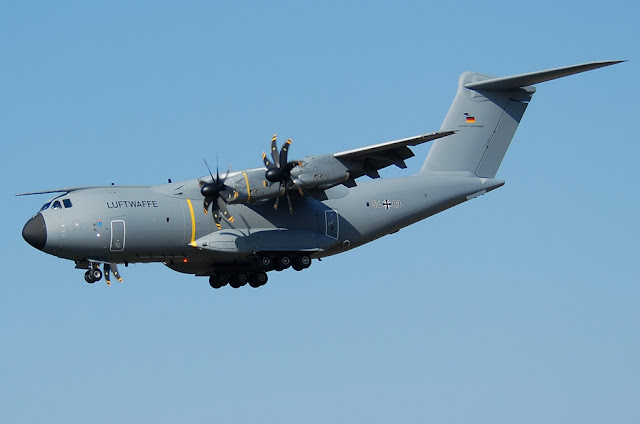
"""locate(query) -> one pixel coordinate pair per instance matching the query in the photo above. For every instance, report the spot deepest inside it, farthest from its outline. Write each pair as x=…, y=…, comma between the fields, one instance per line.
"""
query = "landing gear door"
x=117, y=236
x=331, y=219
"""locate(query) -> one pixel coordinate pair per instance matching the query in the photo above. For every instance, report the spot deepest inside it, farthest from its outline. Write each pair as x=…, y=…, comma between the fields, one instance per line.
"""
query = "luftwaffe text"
x=132, y=204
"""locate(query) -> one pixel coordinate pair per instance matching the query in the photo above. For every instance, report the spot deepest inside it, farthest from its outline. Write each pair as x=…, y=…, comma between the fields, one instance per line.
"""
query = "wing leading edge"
x=369, y=160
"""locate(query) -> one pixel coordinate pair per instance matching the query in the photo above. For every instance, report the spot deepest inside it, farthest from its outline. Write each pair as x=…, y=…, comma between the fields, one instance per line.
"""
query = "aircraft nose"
x=35, y=232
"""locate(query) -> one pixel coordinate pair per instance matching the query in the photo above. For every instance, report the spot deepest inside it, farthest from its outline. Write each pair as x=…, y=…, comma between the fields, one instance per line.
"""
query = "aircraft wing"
x=369, y=160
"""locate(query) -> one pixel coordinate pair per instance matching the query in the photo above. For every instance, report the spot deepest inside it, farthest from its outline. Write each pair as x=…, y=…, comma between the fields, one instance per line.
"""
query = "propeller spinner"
x=212, y=193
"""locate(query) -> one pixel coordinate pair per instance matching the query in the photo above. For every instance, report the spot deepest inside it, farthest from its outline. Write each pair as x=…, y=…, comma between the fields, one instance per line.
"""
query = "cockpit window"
x=66, y=203
x=45, y=206
x=56, y=205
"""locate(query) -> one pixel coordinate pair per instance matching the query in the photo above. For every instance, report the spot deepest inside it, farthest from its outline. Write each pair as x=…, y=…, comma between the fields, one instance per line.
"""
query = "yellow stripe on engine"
x=246, y=178
x=193, y=224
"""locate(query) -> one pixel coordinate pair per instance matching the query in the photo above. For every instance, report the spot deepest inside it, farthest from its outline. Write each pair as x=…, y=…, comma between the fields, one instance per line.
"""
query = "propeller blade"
x=206, y=204
x=268, y=164
x=275, y=205
x=286, y=193
x=284, y=153
x=217, y=170
x=227, y=174
x=224, y=211
x=209, y=169
x=216, y=219
x=289, y=166
x=274, y=151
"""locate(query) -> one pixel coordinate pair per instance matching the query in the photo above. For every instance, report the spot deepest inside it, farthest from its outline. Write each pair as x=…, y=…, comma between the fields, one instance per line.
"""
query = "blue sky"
x=519, y=306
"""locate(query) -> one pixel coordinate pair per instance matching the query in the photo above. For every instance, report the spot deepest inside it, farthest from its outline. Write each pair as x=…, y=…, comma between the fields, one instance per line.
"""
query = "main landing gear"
x=256, y=276
x=94, y=274
x=238, y=279
x=280, y=263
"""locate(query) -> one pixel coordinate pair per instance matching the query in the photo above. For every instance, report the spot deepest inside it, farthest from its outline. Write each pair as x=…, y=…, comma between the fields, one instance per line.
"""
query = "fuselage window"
x=66, y=203
x=45, y=206
x=56, y=205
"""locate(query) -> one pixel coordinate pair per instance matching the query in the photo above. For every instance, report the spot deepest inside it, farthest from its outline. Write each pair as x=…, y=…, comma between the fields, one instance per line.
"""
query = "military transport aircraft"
x=234, y=228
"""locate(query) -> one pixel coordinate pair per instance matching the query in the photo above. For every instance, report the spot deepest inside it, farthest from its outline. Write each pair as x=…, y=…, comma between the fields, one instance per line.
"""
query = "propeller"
x=212, y=196
x=279, y=171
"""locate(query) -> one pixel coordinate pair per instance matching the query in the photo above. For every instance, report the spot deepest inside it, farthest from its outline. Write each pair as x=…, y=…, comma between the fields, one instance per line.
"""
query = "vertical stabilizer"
x=486, y=112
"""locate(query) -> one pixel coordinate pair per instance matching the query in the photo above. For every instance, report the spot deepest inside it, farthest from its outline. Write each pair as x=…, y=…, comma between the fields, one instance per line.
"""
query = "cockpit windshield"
x=55, y=204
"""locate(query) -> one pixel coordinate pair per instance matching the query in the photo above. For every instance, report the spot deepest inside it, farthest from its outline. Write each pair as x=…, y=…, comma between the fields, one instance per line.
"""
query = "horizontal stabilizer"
x=524, y=80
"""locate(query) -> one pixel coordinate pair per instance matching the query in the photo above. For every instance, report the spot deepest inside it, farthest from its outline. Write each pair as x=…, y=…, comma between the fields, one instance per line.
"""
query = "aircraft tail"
x=486, y=112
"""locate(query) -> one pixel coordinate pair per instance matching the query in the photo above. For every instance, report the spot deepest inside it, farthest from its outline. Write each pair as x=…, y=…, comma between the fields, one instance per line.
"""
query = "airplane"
x=233, y=228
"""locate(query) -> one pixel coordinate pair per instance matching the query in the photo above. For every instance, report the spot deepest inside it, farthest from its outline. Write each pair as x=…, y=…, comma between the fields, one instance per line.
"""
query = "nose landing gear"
x=94, y=274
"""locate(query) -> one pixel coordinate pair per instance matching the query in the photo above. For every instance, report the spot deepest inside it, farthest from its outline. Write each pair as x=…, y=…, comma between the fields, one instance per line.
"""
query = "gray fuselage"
x=162, y=223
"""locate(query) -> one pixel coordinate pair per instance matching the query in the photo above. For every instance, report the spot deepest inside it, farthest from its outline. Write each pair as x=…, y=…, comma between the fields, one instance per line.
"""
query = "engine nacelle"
x=319, y=172
x=251, y=186
x=314, y=172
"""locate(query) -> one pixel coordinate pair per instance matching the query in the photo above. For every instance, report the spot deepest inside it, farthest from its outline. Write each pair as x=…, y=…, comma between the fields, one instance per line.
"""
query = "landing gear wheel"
x=304, y=260
x=87, y=277
x=234, y=281
x=215, y=282
x=223, y=279
x=259, y=279
x=242, y=279
x=284, y=262
x=301, y=262
x=265, y=262
x=95, y=274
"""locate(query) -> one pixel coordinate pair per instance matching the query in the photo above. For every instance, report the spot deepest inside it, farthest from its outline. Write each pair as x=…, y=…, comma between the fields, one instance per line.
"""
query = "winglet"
x=524, y=80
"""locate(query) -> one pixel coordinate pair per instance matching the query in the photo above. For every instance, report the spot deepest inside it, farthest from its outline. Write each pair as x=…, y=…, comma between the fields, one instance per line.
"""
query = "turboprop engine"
x=280, y=176
x=251, y=186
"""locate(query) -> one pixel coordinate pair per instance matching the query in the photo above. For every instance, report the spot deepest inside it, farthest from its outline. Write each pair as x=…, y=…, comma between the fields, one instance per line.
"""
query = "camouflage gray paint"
x=169, y=223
